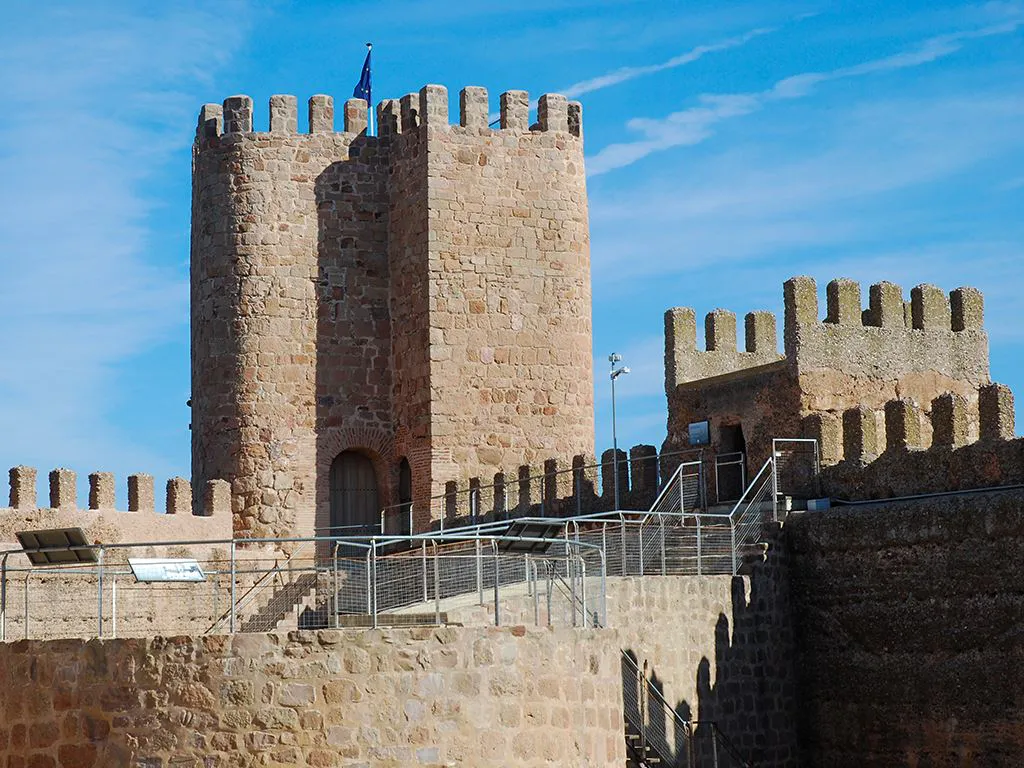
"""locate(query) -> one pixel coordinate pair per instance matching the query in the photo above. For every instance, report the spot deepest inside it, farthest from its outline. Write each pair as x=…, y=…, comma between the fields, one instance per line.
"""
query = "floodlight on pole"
x=614, y=358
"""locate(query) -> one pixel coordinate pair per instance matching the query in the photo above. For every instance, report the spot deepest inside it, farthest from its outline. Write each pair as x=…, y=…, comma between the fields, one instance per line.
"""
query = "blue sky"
x=730, y=146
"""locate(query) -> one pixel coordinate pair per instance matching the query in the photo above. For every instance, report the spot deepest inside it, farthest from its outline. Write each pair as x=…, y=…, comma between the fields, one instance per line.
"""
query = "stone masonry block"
x=760, y=332
x=552, y=112
x=388, y=116
x=321, y=113
x=515, y=111
x=843, y=300
x=680, y=340
x=23, y=487
x=217, y=498
x=63, y=489
x=949, y=420
x=996, y=415
x=179, y=496
x=826, y=428
x=929, y=308
x=284, y=114
x=800, y=297
x=410, y=112
x=140, y=493
x=211, y=121
x=238, y=114
x=434, y=105
x=355, y=117
x=902, y=424
x=473, y=108
x=885, y=305
x=643, y=471
x=101, y=491
x=720, y=331
x=860, y=434
x=574, y=115
x=610, y=461
x=585, y=477
x=967, y=307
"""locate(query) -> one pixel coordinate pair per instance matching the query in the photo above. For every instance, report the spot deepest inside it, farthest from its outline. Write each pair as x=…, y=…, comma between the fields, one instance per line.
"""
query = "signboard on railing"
x=148, y=569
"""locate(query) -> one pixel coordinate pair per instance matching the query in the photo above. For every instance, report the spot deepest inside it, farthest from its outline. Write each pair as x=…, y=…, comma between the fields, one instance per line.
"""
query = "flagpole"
x=371, y=112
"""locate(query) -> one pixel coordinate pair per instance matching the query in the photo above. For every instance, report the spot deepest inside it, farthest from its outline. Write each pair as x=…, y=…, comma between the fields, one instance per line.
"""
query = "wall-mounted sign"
x=700, y=433
x=165, y=569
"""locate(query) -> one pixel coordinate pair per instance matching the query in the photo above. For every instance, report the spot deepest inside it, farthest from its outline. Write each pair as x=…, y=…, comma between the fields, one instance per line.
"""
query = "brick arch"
x=376, y=444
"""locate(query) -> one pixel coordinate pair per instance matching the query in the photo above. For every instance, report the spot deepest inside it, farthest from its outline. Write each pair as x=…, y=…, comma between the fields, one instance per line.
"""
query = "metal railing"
x=249, y=587
x=656, y=734
x=563, y=493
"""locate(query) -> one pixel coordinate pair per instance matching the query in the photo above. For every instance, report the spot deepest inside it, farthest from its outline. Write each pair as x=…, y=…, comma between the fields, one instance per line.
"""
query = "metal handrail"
x=513, y=482
x=726, y=742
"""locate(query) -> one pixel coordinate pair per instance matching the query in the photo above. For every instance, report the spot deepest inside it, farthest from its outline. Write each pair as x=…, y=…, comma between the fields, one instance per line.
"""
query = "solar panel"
x=60, y=541
x=512, y=539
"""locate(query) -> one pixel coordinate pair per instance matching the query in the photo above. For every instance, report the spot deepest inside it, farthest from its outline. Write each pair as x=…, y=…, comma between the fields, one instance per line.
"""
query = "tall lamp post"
x=614, y=358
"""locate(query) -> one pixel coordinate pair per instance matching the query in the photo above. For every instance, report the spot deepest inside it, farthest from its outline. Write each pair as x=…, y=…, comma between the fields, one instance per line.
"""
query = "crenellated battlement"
x=63, y=493
x=952, y=442
x=950, y=420
x=428, y=108
x=934, y=332
x=684, y=361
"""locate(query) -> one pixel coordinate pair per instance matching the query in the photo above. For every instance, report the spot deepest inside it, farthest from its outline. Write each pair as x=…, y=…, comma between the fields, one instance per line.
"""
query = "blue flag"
x=362, y=89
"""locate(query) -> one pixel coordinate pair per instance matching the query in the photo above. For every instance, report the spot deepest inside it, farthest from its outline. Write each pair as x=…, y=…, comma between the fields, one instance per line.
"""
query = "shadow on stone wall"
x=750, y=689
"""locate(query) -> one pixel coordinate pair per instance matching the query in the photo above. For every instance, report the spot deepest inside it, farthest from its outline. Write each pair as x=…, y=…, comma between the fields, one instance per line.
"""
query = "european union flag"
x=362, y=89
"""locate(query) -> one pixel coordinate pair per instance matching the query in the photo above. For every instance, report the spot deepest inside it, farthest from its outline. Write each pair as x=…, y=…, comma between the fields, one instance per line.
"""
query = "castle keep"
x=374, y=317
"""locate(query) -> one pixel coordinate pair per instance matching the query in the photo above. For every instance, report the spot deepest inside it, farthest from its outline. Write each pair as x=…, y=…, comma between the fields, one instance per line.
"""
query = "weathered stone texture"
x=908, y=623
x=854, y=358
x=421, y=294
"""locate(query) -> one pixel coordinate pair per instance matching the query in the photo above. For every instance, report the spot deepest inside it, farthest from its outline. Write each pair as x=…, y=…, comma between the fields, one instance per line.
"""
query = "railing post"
x=570, y=568
x=437, y=586
x=99, y=591
x=578, y=488
x=497, y=582
x=661, y=525
x=479, y=572
x=735, y=554
x=698, y=546
x=373, y=579
x=547, y=568
x=536, y=597
x=583, y=590
x=622, y=536
x=423, y=550
x=604, y=589
x=714, y=745
x=775, y=485
x=231, y=615
x=640, y=539
x=334, y=600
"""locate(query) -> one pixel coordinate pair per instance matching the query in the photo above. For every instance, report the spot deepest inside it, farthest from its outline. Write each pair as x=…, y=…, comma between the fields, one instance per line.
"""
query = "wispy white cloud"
x=756, y=202
x=96, y=102
x=696, y=124
x=625, y=74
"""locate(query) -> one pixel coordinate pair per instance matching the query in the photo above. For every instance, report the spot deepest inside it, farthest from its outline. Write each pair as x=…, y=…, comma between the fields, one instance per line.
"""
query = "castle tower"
x=848, y=365
x=376, y=316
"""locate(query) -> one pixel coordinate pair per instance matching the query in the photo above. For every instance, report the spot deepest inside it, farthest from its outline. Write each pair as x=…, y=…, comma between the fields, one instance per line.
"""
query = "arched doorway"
x=354, y=503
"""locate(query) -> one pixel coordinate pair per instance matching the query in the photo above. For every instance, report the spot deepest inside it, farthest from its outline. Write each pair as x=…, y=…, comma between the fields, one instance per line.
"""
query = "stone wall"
x=908, y=621
x=408, y=697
